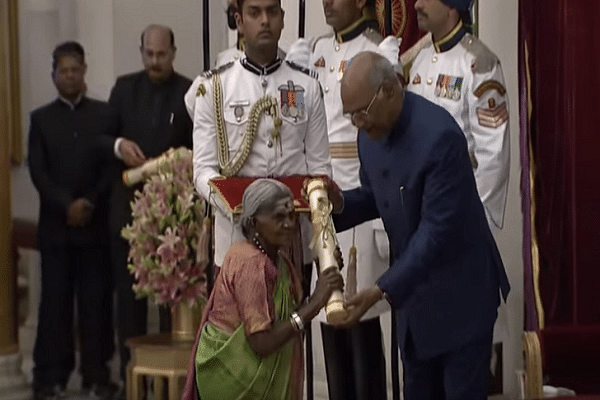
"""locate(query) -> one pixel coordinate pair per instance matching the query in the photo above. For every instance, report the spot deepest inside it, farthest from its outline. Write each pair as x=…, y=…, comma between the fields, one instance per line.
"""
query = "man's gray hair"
x=382, y=70
x=259, y=196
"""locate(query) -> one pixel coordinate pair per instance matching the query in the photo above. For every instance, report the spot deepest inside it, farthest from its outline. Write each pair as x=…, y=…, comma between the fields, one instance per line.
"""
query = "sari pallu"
x=227, y=368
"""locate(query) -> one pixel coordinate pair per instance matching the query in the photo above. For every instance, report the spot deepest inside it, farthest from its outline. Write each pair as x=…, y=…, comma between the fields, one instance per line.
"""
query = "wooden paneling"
x=8, y=338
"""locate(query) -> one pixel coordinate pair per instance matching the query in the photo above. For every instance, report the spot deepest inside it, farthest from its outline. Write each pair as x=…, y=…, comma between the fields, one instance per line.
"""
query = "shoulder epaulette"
x=305, y=70
x=316, y=40
x=218, y=70
x=484, y=60
x=409, y=55
x=373, y=35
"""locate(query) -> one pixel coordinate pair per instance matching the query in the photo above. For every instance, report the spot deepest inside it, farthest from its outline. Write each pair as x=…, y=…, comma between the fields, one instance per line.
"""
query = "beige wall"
x=498, y=29
x=110, y=29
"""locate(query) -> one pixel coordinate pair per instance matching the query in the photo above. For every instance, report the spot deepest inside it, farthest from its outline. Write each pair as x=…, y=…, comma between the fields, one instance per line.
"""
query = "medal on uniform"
x=417, y=79
x=450, y=90
x=320, y=62
x=445, y=83
x=438, y=85
x=292, y=100
x=341, y=70
x=238, y=108
x=457, y=88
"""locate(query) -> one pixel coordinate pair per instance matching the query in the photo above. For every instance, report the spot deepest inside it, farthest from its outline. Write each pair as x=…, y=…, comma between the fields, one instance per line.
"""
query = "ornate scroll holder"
x=134, y=175
x=324, y=243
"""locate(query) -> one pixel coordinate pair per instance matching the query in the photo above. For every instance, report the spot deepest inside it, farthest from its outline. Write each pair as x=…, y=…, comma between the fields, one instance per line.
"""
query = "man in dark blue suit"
x=446, y=274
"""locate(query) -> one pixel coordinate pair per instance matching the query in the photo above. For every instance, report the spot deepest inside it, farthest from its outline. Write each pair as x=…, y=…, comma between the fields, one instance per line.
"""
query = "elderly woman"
x=250, y=340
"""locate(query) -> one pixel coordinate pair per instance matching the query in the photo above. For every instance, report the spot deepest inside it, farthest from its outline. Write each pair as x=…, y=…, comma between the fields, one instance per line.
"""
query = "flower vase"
x=185, y=320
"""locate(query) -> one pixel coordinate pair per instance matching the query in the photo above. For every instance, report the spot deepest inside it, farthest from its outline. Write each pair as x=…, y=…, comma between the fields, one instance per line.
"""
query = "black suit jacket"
x=66, y=162
x=154, y=116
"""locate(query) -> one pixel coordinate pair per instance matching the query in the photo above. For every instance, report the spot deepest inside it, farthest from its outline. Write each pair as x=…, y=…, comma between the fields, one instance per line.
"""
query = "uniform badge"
x=341, y=70
x=489, y=85
x=448, y=86
x=417, y=79
x=201, y=91
x=320, y=62
x=492, y=117
x=438, y=85
x=441, y=86
x=292, y=100
x=455, y=87
x=238, y=108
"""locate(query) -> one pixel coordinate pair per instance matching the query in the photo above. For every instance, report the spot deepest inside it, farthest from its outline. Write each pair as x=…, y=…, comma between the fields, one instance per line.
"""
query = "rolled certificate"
x=324, y=243
x=134, y=175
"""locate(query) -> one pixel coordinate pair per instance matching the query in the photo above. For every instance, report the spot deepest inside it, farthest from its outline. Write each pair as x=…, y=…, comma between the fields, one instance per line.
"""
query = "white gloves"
x=299, y=52
x=390, y=49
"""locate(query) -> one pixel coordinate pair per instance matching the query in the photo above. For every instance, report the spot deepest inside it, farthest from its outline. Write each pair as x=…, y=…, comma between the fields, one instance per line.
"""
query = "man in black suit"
x=152, y=119
x=69, y=170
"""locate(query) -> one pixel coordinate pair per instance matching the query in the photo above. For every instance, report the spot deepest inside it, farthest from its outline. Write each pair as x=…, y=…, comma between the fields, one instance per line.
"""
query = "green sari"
x=227, y=368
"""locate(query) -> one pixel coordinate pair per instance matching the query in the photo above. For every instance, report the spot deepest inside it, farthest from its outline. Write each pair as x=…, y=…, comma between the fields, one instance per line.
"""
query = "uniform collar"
x=364, y=22
x=260, y=70
x=451, y=39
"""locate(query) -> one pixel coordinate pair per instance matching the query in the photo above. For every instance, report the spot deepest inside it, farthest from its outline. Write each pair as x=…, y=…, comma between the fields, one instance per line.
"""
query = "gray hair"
x=381, y=71
x=261, y=195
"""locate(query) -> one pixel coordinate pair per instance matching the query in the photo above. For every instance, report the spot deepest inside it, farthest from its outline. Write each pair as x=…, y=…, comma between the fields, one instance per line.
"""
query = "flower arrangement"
x=168, y=236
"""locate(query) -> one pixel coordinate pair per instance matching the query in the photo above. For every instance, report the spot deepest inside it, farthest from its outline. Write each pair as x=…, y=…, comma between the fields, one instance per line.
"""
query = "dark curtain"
x=559, y=66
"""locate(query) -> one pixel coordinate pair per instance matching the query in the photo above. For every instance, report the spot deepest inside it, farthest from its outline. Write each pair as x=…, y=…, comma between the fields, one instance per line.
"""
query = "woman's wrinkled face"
x=276, y=225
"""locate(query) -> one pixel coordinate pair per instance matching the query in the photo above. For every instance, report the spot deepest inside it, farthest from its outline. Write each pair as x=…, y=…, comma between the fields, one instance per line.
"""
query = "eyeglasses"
x=364, y=112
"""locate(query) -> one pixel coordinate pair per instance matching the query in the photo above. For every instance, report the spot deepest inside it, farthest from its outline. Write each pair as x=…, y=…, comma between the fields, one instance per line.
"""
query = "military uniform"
x=462, y=75
x=292, y=101
x=228, y=55
x=329, y=58
x=354, y=357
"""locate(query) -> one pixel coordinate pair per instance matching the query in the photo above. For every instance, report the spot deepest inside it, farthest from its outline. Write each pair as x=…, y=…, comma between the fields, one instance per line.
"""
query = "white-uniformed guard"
x=257, y=116
x=330, y=56
x=455, y=70
x=236, y=51
x=355, y=363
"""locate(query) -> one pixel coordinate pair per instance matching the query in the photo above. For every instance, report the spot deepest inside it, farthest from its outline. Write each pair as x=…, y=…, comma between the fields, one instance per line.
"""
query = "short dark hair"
x=171, y=35
x=240, y=3
x=67, y=49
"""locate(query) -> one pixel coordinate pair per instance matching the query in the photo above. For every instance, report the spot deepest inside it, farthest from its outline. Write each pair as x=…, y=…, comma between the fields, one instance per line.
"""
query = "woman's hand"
x=266, y=342
x=329, y=280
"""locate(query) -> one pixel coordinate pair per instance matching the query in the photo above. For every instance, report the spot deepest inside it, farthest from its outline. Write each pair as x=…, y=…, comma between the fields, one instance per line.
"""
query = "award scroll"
x=135, y=175
x=324, y=243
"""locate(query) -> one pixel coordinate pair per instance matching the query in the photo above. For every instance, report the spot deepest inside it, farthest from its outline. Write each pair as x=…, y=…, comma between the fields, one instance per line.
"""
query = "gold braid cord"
x=230, y=167
x=322, y=224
